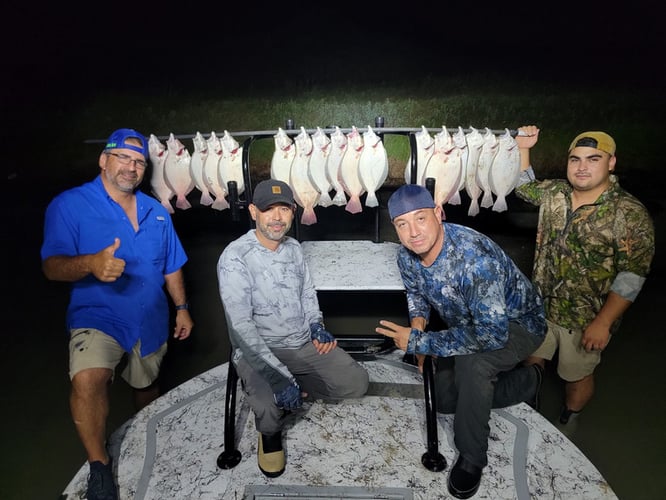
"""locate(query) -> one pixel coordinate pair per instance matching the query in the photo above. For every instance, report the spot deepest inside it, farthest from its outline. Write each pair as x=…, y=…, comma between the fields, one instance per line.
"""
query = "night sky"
x=54, y=49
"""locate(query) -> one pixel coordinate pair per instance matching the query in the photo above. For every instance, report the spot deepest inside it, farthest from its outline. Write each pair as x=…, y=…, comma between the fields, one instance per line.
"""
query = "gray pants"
x=471, y=385
x=331, y=376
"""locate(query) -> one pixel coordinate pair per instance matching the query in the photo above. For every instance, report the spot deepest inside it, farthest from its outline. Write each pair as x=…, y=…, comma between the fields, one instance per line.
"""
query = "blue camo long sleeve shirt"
x=269, y=301
x=476, y=289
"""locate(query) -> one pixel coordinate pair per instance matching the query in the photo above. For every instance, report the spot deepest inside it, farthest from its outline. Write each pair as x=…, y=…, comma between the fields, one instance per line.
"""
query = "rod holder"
x=234, y=200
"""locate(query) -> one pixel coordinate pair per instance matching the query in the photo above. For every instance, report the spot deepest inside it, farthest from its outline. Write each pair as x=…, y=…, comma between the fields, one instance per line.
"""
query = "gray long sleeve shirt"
x=269, y=301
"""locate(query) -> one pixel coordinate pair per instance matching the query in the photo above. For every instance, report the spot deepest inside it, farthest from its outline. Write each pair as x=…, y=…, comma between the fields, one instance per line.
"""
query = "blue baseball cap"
x=117, y=141
x=408, y=198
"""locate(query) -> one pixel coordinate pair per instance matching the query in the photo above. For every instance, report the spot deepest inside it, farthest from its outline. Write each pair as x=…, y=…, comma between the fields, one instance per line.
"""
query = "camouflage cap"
x=596, y=139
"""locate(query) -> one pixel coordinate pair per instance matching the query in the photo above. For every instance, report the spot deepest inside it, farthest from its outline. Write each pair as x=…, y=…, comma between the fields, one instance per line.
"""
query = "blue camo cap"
x=117, y=141
x=408, y=198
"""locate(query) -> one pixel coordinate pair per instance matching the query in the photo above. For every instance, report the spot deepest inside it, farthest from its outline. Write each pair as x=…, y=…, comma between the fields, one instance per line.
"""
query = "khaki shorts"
x=90, y=348
x=574, y=362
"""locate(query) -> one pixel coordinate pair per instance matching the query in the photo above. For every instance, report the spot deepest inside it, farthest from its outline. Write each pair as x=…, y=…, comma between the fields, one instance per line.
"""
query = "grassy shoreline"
x=631, y=115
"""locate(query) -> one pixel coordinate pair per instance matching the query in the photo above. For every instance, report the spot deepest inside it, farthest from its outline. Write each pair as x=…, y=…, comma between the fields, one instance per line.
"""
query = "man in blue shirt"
x=119, y=250
x=494, y=320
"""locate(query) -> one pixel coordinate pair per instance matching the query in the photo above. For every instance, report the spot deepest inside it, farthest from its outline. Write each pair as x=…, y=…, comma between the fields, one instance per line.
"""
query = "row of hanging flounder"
x=316, y=165
x=214, y=162
x=353, y=164
x=348, y=165
x=481, y=164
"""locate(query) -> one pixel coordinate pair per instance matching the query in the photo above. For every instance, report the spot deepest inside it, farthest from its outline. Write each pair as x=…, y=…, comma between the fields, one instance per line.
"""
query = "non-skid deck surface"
x=170, y=448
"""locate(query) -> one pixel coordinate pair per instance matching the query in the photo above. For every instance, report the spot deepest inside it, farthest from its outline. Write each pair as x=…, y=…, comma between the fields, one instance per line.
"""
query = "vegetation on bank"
x=560, y=111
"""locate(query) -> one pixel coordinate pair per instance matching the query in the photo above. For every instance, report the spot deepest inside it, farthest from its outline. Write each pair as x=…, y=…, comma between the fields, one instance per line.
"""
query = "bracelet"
x=185, y=306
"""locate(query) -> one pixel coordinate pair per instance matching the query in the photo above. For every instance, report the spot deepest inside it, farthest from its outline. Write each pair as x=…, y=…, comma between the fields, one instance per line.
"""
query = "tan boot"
x=271, y=463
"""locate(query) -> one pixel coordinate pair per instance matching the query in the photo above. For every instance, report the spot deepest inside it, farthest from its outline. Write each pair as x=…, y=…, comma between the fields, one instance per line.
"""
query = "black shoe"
x=464, y=478
x=567, y=414
x=534, y=402
x=101, y=485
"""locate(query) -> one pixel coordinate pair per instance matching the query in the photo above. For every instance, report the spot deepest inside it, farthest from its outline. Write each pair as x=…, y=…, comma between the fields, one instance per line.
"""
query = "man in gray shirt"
x=281, y=350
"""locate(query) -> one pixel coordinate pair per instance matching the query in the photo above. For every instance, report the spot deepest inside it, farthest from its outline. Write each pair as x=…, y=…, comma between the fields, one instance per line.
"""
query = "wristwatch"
x=180, y=307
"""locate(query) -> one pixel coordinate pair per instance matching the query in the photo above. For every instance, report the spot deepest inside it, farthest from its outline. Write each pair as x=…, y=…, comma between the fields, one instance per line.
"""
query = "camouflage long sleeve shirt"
x=475, y=288
x=269, y=302
x=584, y=254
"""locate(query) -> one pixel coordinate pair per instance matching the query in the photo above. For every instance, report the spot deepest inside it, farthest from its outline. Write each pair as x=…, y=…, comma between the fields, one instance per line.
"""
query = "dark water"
x=621, y=431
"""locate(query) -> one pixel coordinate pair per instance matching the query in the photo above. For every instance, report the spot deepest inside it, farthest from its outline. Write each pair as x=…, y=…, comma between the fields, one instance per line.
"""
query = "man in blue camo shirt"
x=494, y=320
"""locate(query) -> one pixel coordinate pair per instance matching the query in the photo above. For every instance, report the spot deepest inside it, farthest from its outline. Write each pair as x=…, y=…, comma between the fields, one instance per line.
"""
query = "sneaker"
x=567, y=424
x=567, y=415
x=271, y=459
x=464, y=479
x=101, y=485
x=534, y=402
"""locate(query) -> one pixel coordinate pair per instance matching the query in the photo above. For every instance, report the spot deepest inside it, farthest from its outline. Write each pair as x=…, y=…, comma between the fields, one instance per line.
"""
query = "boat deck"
x=361, y=448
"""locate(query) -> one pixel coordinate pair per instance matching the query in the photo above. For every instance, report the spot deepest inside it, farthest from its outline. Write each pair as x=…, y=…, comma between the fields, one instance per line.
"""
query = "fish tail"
x=371, y=200
x=354, y=205
x=206, y=198
x=339, y=199
x=220, y=203
x=487, y=200
x=500, y=204
x=325, y=200
x=309, y=217
x=473, y=208
x=183, y=203
x=167, y=204
x=455, y=198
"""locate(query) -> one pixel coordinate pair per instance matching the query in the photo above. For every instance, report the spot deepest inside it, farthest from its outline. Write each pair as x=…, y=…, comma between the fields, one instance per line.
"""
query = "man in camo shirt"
x=594, y=247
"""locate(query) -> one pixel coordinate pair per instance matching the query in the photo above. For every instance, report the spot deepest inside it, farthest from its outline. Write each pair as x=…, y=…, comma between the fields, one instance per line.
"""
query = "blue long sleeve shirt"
x=475, y=288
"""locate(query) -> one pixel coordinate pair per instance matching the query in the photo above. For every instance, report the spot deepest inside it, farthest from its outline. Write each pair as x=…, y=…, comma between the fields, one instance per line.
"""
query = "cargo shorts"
x=574, y=362
x=91, y=348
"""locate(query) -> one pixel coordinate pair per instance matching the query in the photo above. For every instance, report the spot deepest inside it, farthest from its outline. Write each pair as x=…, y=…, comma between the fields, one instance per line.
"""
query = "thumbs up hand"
x=105, y=266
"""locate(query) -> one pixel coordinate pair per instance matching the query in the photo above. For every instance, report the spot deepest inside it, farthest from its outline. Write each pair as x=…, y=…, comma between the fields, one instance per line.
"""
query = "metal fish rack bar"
x=261, y=134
